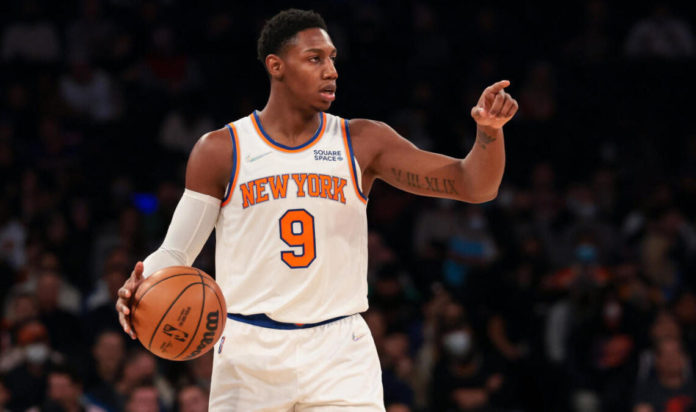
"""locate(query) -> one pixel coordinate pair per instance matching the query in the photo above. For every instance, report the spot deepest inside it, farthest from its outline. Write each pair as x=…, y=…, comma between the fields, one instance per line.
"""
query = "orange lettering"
x=313, y=185
x=339, y=184
x=299, y=180
x=260, y=195
x=325, y=186
x=279, y=186
x=247, y=194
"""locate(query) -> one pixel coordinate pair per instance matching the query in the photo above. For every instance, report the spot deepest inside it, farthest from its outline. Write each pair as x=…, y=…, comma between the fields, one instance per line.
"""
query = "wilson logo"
x=211, y=325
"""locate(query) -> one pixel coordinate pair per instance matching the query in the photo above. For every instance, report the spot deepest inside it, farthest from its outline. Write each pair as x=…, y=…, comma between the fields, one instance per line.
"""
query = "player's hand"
x=495, y=107
x=125, y=298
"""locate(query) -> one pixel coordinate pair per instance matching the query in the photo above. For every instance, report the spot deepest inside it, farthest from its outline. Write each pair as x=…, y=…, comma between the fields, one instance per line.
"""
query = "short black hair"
x=284, y=26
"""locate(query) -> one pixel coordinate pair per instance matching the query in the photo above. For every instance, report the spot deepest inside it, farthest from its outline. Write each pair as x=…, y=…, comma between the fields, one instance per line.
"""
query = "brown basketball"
x=178, y=313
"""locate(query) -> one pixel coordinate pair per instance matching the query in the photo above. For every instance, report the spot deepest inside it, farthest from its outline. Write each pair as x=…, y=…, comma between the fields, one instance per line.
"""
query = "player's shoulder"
x=371, y=132
x=361, y=127
x=214, y=141
x=214, y=145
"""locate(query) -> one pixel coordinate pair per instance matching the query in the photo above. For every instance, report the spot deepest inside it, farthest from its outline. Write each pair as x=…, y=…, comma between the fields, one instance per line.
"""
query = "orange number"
x=297, y=230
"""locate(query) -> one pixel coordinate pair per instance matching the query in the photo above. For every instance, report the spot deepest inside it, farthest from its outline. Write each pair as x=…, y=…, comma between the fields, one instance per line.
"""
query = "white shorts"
x=323, y=368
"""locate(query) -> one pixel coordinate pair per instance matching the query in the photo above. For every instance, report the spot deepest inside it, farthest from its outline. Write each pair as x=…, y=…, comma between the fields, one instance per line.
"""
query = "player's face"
x=310, y=73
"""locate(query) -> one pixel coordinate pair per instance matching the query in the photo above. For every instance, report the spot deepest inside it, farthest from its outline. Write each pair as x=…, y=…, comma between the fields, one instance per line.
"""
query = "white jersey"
x=292, y=231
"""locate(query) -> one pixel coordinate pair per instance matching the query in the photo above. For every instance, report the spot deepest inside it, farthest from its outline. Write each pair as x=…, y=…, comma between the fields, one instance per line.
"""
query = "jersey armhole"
x=353, y=165
x=235, y=164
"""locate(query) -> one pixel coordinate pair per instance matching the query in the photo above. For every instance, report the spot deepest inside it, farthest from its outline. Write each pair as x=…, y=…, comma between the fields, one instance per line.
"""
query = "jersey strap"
x=235, y=164
x=345, y=131
x=265, y=322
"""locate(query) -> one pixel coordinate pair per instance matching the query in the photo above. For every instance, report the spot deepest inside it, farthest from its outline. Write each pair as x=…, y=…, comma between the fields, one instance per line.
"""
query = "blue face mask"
x=586, y=253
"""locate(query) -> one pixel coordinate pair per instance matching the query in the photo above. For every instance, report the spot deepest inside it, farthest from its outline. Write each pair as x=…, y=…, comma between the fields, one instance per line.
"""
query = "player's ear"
x=274, y=65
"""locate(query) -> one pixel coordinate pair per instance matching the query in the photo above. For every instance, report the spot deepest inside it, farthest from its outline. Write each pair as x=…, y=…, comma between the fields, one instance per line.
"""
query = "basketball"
x=178, y=313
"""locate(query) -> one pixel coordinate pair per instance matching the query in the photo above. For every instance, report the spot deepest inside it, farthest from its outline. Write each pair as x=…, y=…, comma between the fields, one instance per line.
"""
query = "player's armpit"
x=210, y=164
x=384, y=154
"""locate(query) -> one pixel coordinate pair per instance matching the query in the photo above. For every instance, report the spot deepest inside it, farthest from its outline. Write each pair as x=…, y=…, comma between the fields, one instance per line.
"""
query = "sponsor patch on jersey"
x=328, y=155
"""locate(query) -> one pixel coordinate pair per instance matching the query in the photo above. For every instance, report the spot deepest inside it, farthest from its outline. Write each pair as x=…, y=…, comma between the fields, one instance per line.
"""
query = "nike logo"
x=357, y=338
x=257, y=157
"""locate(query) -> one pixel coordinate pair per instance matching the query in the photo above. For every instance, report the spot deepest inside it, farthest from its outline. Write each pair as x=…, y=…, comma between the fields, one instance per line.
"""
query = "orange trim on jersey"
x=235, y=173
x=351, y=160
x=269, y=141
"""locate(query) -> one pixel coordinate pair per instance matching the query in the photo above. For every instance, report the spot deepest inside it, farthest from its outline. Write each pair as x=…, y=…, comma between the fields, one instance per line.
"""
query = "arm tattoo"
x=484, y=139
x=428, y=183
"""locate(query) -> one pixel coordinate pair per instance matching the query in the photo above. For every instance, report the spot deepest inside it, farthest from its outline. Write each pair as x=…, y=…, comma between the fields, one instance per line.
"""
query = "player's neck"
x=286, y=123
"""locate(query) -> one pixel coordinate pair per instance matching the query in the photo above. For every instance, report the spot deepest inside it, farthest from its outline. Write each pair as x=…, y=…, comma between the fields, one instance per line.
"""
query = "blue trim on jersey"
x=234, y=164
x=352, y=161
x=264, y=321
x=270, y=139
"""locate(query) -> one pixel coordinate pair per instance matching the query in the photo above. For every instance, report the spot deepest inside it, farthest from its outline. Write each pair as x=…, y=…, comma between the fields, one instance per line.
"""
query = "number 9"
x=294, y=237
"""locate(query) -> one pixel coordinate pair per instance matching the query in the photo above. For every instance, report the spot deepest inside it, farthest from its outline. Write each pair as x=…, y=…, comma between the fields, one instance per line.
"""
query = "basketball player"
x=286, y=190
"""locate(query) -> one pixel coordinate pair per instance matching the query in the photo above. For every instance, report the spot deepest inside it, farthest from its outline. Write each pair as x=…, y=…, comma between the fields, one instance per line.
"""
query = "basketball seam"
x=131, y=316
x=157, y=283
x=154, y=332
x=199, y=318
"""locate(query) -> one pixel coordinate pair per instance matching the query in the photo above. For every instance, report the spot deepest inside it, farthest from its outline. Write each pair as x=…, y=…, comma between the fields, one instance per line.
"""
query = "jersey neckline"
x=289, y=149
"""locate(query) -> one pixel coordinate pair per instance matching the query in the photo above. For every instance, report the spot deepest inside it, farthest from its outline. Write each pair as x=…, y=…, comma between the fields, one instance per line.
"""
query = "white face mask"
x=457, y=343
x=37, y=353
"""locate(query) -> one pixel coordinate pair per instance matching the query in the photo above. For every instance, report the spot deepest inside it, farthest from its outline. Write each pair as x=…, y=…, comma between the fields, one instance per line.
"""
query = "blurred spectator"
x=108, y=353
x=13, y=236
x=101, y=307
x=397, y=369
x=192, y=398
x=537, y=97
x=470, y=248
x=184, y=125
x=33, y=38
x=669, y=240
x=64, y=327
x=513, y=331
x=65, y=393
x=22, y=309
x=684, y=308
x=27, y=381
x=143, y=398
x=141, y=365
x=464, y=378
x=68, y=298
x=391, y=297
x=604, y=356
x=662, y=34
x=672, y=387
x=594, y=42
x=91, y=35
x=166, y=67
x=89, y=92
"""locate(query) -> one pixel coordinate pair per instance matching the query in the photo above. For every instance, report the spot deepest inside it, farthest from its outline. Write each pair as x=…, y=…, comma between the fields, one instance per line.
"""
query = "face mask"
x=457, y=343
x=36, y=353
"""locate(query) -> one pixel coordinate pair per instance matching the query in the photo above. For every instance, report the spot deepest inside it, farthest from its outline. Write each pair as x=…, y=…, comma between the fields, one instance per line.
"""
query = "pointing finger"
x=498, y=86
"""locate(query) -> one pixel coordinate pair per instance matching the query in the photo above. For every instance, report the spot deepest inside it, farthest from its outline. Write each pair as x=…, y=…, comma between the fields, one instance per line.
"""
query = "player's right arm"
x=207, y=174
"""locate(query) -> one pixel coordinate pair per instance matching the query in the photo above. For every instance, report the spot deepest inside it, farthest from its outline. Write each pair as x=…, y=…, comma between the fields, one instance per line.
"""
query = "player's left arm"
x=386, y=155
